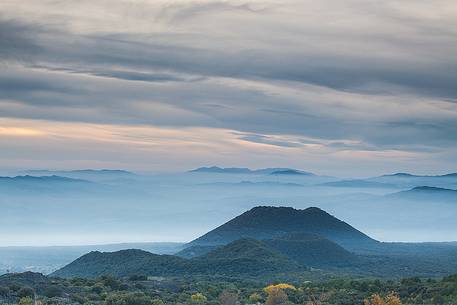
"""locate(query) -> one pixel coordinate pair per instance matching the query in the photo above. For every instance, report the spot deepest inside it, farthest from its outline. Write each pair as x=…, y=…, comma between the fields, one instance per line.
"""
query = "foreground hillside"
x=141, y=290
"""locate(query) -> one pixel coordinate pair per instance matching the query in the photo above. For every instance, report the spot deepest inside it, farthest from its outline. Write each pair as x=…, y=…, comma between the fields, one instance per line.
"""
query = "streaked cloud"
x=375, y=80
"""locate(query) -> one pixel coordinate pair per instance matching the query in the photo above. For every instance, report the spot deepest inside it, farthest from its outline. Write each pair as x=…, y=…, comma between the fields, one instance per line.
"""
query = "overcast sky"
x=349, y=88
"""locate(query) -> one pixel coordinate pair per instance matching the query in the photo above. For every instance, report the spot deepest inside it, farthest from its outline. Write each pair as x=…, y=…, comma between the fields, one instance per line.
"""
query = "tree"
x=98, y=288
x=4, y=291
x=111, y=282
x=198, y=298
x=26, y=301
x=276, y=296
x=25, y=292
x=138, y=277
x=255, y=298
x=52, y=291
x=136, y=298
x=390, y=299
x=281, y=286
x=228, y=298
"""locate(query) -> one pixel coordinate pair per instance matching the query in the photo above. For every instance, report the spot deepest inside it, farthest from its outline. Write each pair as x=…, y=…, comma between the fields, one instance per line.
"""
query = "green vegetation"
x=139, y=290
x=277, y=243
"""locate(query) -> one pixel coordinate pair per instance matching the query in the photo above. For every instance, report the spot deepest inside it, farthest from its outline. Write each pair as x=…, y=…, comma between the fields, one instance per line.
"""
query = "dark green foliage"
x=52, y=291
x=122, y=263
x=14, y=287
x=25, y=292
x=97, y=289
x=288, y=241
x=312, y=250
x=339, y=291
x=4, y=291
x=136, y=298
x=195, y=251
x=265, y=223
x=110, y=282
x=78, y=298
x=24, y=279
x=246, y=257
x=137, y=277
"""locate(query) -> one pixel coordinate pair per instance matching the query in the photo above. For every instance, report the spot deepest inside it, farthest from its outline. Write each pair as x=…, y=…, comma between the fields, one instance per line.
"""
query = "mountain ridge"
x=265, y=222
x=244, y=170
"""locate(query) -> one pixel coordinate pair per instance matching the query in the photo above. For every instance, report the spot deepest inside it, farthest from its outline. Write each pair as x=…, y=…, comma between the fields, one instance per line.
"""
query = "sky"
x=348, y=88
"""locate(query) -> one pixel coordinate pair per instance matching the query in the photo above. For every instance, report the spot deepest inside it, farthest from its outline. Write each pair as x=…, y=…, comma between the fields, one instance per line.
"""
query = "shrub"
x=276, y=296
x=111, y=282
x=97, y=289
x=52, y=291
x=198, y=298
x=14, y=287
x=25, y=292
x=26, y=301
x=4, y=291
x=281, y=286
x=390, y=299
x=228, y=298
x=78, y=298
x=136, y=298
x=137, y=277
x=255, y=298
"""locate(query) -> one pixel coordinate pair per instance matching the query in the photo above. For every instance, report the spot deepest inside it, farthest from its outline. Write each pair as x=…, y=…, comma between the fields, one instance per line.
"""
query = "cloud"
x=263, y=139
x=351, y=76
x=18, y=41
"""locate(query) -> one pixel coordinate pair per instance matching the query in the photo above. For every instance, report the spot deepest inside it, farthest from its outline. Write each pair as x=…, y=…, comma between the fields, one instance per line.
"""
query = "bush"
x=4, y=291
x=25, y=292
x=198, y=298
x=136, y=298
x=390, y=299
x=97, y=289
x=228, y=298
x=78, y=298
x=52, y=292
x=14, y=287
x=26, y=301
x=137, y=277
x=255, y=298
x=111, y=282
x=276, y=296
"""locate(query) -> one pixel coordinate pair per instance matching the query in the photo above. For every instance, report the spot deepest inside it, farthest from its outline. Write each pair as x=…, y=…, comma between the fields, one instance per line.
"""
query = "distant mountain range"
x=398, y=180
x=41, y=179
x=407, y=175
x=254, y=184
x=24, y=185
x=358, y=183
x=86, y=174
x=428, y=193
x=415, y=180
x=292, y=172
x=241, y=170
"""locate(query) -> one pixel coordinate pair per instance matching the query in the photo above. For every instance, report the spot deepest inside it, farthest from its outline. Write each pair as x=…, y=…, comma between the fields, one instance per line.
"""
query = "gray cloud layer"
x=380, y=75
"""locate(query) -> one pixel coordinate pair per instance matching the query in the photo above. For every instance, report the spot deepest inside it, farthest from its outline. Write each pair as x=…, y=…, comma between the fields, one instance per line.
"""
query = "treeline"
x=142, y=290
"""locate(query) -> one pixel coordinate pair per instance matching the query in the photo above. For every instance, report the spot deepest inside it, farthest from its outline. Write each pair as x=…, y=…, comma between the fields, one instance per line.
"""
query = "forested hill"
x=271, y=222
